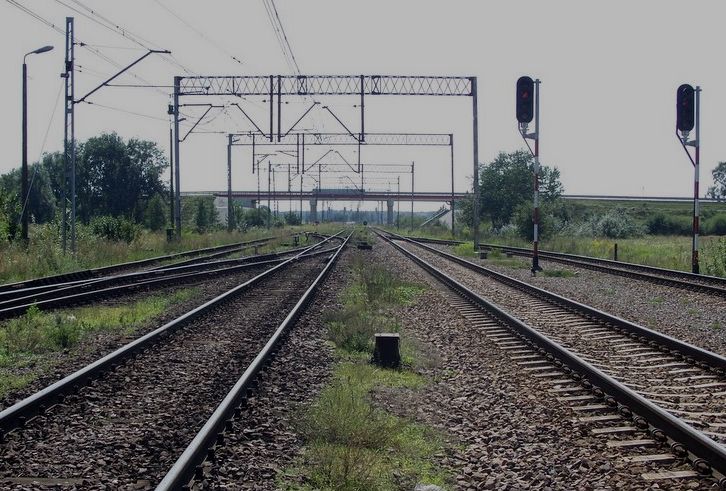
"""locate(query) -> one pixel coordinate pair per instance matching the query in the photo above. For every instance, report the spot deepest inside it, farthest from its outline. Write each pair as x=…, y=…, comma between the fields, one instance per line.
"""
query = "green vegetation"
x=558, y=273
x=24, y=340
x=350, y=443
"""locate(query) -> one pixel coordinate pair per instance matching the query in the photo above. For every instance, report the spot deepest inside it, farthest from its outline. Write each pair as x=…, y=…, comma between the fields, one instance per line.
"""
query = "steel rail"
x=96, y=272
x=20, y=412
x=602, y=384
x=184, y=468
x=175, y=279
x=167, y=272
x=705, y=283
x=677, y=347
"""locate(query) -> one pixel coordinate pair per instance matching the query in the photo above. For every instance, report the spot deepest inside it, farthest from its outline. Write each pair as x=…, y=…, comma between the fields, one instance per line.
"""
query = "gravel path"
x=126, y=430
x=696, y=318
x=513, y=434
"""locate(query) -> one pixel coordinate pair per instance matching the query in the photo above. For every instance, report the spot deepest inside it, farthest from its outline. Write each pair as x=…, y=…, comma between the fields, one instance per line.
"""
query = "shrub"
x=714, y=257
x=716, y=225
x=662, y=224
x=155, y=213
x=118, y=229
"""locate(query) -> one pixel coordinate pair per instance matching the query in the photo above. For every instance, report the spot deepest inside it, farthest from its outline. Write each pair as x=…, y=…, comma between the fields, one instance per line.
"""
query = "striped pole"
x=696, y=165
x=535, y=216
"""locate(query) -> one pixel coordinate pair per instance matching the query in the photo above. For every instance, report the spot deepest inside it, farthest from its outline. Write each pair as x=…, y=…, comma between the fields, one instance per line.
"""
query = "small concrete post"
x=615, y=252
x=483, y=254
x=387, y=350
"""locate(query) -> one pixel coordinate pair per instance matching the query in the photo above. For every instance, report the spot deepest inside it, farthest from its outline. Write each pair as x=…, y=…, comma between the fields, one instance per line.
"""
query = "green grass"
x=45, y=257
x=25, y=340
x=351, y=445
x=558, y=273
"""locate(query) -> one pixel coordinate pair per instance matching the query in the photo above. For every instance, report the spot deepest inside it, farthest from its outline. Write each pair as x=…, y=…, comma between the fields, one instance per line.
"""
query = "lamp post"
x=24, y=173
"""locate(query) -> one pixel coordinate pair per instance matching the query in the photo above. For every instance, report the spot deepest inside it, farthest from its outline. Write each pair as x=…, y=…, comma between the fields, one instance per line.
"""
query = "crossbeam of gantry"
x=275, y=87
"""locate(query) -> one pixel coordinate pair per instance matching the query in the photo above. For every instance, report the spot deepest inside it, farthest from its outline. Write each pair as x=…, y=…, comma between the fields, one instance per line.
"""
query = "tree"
x=718, y=190
x=506, y=183
x=155, y=213
x=292, y=218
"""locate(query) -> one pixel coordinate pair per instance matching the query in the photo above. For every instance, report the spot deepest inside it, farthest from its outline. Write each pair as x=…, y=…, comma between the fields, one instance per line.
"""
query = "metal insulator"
x=722, y=484
x=610, y=401
x=658, y=435
x=689, y=359
x=702, y=467
x=598, y=391
x=558, y=363
x=640, y=422
x=576, y=375
x=625, y=411
x=567, y=369
x=586, y=383
x=549, y=356
x=679, y=450
x=676, y=353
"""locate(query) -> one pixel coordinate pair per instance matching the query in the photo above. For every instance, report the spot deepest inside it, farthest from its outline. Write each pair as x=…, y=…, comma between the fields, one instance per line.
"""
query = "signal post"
x=688, y=116
x=527, y=108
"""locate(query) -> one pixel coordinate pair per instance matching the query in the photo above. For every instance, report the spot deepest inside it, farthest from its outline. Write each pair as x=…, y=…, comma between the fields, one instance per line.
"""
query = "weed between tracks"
x=350, y=443
x=25, y=342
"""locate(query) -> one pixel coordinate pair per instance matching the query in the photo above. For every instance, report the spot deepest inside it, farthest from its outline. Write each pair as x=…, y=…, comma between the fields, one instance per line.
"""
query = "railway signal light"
x=685, y=107
x=525, y=99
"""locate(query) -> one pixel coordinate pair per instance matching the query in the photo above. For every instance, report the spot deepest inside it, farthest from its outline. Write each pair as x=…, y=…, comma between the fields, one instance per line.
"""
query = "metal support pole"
x=177, y=181
x=279, y=108
x=24, y=171
x=362, y=115
x=453, y=207
x=171, y=174
x=413, y=165
x=272, y=107
x=398, y=203
x=475, y=146
x=535, y=216
x=230, y=208
x=269, y=182
x=696, y=176
x=68, y=114
x=301, y=198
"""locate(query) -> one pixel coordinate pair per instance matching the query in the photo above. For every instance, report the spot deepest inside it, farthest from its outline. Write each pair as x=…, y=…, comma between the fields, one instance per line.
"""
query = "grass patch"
x=465, y=250
x=24, y=340
x=352, y=445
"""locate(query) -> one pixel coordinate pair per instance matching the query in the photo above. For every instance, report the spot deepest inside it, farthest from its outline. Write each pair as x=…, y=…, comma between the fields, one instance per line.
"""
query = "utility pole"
x=230, y=206
x=171, y=171
x=69, y=142
x=413, y=164
x=269, y=181
x=177, y=197
x=453, y=207
x=398, y=203
x=475, y=145
x=24, y=191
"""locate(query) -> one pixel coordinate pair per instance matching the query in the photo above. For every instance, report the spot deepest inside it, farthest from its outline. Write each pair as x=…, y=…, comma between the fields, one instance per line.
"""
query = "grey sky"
x=622, y=59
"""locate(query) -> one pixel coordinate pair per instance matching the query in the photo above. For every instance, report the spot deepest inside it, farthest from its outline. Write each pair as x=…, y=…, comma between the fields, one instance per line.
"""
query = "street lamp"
x=24, y=175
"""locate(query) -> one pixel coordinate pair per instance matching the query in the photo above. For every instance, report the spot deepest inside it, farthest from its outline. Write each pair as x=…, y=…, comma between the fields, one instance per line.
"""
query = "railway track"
x=16, y=302
x=712, y=285
x=658, y=399
x=126, y=418
x=77, y=277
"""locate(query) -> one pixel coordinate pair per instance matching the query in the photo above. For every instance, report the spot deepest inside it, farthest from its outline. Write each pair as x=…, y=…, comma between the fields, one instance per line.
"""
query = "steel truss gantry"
x=275, y=87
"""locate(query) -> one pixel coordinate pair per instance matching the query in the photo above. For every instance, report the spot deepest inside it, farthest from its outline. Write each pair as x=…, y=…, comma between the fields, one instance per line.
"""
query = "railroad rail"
x=94, y=273
x=211, y=434
x=20, y=413
x=712, y=285
x=17, y=302
x=660, y=384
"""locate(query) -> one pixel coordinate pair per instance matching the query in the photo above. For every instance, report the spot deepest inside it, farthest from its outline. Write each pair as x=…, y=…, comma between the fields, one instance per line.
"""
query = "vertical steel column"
x=230, y=208
x=398, y=203
x=279, y=108
x=272, y=107
x=269, y=205
x=177, y=190
x=453, y=207
x=696, y=177
x=67, y=118
x=171, y=173
x=413, y=164
x=535, y=215
x=475, y=145
x=24, y=152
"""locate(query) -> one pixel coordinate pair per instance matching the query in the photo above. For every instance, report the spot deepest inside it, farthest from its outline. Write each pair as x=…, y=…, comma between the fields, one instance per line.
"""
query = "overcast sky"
x=609, y=73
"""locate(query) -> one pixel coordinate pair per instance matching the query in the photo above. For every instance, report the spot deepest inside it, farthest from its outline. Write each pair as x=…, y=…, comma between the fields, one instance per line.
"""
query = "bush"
x=155, y=213
x=117, y=229
x=716, y=225
x=714, y=257
x=662, y=224
x=292, y=218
